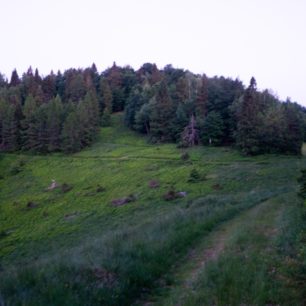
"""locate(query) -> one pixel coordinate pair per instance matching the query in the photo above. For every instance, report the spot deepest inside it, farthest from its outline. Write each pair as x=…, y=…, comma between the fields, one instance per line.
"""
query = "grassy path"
x=262, y=219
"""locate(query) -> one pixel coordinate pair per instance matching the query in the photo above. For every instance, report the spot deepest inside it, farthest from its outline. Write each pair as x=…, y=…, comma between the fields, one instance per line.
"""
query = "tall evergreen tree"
x=92, y=105
x=114, y=77
x=3, y=81
x=293, y=136
x=40, y=139
x=71, y=138
x=129, y=81
x=181, y=91
x=162, y=115
x=28, y=124
x=88, y=116
x=37, y=77
x=106, y=94
x=54, y=124
x=273, y=129
x=9, y=127
x=201, y=98
x=30, y=83
x=15, y=80
x=60, y=81
x=249, y=121
x=49, y=87
x=212, y=129
x=142, y=118
x=136, y=100
x=75, y=87
x=181, y=120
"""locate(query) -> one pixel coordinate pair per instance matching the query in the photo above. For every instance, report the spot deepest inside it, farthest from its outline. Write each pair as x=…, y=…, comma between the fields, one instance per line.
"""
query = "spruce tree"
x=14, y=78
x=30, y=83
x=135, y=101
x=43, y=137
x=28, y=137
x=142, y=118
x=3, y=81
x=180, y=121
x=181, y=92
x=212, y=129
x=106, y=102
x=49, y=87
x=9, y=133
x=114, y=77
x=162, y=115
x=201, y=98
x=249, y=121
x=75, y=87
x=88, y=114
x=293, y=136
x=71, y=138
x=92, y=106
x=54, y=123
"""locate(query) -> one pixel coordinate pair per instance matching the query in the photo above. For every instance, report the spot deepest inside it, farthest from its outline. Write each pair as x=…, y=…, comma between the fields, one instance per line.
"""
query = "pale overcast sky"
x=234, y=38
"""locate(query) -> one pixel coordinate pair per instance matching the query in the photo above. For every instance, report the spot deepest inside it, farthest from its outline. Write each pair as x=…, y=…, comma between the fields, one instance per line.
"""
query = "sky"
x=234, y=38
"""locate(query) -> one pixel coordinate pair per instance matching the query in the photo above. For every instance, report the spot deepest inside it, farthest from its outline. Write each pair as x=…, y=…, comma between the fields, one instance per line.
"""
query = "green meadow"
x=200, y=226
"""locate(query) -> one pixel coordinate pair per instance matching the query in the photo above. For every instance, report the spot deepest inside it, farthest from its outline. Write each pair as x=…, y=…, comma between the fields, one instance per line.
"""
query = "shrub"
x=17, y=167
x=100, y=188
x=31, y=204
x=185, y=156
x=194, y=176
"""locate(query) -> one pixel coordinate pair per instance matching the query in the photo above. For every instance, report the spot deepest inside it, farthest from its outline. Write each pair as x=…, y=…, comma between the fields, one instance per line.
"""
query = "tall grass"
x=131, y=260
x=256, y=268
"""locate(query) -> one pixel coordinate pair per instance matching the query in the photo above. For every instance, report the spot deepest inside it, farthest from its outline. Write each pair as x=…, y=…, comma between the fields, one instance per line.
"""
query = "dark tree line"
x=63, y=111
x=56, y=113
x=190, y=109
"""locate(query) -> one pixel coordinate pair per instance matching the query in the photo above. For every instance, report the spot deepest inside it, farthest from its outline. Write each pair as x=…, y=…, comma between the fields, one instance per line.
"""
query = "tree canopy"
x=64, y=111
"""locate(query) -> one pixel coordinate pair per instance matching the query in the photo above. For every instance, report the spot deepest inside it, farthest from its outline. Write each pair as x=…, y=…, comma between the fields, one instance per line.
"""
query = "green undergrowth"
x=72, y=246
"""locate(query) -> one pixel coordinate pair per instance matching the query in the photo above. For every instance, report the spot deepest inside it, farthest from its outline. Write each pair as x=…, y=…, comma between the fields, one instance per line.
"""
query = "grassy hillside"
x=73, y=246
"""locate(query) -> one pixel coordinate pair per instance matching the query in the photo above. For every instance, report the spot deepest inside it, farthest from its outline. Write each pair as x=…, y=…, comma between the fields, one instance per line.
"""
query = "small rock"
x=123, y=201
x=182, y=194
x=170, y=195
x=71, y=215
x=154, y=184
x=53, y=185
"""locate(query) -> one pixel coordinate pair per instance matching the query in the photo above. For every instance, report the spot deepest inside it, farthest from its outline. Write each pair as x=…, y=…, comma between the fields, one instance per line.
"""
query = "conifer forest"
x=64, y=111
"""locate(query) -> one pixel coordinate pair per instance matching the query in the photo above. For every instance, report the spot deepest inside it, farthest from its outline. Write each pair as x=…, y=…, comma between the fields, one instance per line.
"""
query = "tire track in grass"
x=187, y=272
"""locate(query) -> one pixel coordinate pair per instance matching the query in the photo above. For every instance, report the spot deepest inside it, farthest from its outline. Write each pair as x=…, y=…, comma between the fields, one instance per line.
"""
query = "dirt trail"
x=187, y=272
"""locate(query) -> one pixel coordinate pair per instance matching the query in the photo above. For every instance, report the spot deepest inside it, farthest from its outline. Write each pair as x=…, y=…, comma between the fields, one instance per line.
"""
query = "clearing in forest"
x=72, y=246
